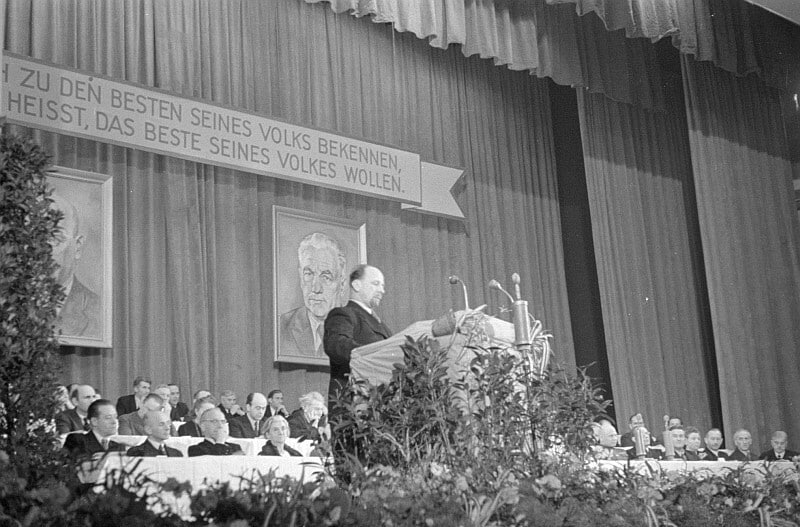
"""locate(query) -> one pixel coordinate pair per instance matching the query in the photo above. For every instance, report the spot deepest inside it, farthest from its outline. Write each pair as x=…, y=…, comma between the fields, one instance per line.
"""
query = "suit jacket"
x=769, y=455
x=347, y=328
x=80, y=314
x=131, y=424
x=147, y=449
x=69, y=421
x=296, y=336
x=708, y=455
x=299, y=426
x=191, y=429
x=269, y=413
x=207, y=448
x=179, y=411
x=85, y=444
x=126, y=404
x=239, y=426
x=738, y=455
x=271, y=450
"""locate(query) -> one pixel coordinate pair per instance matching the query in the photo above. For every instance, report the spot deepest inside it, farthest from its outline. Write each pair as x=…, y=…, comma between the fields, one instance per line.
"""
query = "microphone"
x=522, y=325
x=494, y=284
x=453, y=279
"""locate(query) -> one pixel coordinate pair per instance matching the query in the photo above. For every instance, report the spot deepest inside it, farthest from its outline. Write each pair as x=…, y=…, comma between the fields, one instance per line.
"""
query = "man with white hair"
x=215, y=431
x=743, y=441
x=322, y=265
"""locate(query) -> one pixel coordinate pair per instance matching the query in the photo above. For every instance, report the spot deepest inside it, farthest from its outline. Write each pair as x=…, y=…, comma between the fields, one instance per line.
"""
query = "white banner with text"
x=62, y=100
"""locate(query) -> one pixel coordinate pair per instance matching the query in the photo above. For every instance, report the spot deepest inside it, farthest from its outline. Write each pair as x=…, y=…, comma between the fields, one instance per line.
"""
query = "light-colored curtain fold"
x=646, y=241
x=751, y=244
x=193, y=272
x=733, y=34
x=557, y=38
x=546, y=40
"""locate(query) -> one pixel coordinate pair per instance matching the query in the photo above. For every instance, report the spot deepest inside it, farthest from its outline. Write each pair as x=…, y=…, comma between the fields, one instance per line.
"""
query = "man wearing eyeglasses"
x=249, y=425
x=215, y=431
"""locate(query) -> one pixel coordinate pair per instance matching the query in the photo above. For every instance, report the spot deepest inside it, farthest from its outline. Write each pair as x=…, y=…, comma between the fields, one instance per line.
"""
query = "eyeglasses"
x=220, y=422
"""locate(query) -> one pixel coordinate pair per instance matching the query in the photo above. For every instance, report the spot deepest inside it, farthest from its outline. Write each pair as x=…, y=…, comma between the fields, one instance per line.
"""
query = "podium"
x=455, y=331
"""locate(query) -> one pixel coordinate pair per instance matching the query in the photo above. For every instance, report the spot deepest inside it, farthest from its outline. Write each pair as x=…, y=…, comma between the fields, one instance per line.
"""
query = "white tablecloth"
x=251, y=447
x=702, y=468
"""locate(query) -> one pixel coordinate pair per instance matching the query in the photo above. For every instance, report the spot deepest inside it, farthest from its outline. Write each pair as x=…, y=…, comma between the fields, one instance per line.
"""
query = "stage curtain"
x=193, y=271
x=733, y=34
x=751, y=244
x=548, y=41
x=646, y=240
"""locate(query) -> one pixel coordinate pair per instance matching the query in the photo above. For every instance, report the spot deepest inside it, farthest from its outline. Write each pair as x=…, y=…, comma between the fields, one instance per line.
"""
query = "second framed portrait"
x=313, y=256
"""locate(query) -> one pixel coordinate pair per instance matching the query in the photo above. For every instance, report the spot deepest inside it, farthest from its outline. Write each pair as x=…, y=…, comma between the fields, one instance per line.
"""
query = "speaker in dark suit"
x=148, y=449
x=354, y=325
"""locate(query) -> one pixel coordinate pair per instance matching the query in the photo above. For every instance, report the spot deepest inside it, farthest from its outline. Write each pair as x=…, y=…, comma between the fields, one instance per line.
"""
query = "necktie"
x=86, y=424
x=779, y=456
x=161, y=451
x=255, y=427
x=104, y=443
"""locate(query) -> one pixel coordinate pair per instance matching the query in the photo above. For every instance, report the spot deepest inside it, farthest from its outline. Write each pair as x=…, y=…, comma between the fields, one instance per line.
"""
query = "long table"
x=251, y=447
x=703, y=468
x=199, y=472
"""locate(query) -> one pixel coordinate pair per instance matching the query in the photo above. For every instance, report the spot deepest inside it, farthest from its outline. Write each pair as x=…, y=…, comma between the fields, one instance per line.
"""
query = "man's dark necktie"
x=86, y=424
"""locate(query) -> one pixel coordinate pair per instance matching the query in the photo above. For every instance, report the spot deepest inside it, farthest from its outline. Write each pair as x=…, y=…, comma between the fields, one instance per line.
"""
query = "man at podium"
x=353, y=325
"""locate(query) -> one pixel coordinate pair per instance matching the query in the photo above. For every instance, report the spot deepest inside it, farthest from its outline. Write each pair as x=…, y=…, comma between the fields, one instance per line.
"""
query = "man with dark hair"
x=192, y=428
x=215, y=432
x=275, y=406
x=179, y=409
x=77, y=419
x=743, y=441
x=249, y=425
x=713, y=450
x=103, y=421
x=132, y=424
x=157, y=425
x=130, y=403
x=353, y=325
x=652, y=450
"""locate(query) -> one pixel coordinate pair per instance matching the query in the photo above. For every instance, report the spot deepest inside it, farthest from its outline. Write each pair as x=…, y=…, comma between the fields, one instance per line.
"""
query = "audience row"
x=685, y=443
x=91, y=422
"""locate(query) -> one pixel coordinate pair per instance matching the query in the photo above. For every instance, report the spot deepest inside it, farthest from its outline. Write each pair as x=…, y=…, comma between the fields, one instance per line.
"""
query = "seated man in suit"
x=157, y=425
x=743, y=441
x=778, y=452
x=653, y=449
x=607, y=440
x=713, y=450
x=215, y=432
x=103, y=421
x=227, y=403
x=276, y=407
x=132, y=424
x=179, y=408
x=192, y=428
x=77, y=419
x=162, y=390
x=677, y=435
x=130, y=403
x=249, y=425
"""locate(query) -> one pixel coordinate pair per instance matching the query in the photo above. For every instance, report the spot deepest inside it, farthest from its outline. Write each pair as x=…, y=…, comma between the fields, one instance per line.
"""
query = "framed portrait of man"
x=313, y=256
x=82, y=251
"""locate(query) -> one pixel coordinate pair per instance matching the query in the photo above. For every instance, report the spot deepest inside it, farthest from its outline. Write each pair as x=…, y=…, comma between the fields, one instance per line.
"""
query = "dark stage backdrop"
x=193, y=244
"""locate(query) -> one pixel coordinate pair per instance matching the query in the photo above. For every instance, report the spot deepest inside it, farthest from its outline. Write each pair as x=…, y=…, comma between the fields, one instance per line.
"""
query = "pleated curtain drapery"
x=751, y=243
x=193, y=244
x=644, y=223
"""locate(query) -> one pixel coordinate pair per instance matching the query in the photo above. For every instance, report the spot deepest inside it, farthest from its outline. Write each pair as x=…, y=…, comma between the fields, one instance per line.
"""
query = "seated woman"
x=277, y=430
x=310, y=420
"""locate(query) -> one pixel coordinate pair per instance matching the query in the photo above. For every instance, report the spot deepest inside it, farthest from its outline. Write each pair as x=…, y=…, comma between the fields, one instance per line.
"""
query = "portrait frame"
x=91, y=194
x=290, y=227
